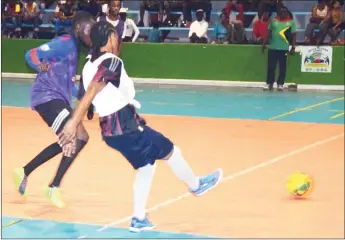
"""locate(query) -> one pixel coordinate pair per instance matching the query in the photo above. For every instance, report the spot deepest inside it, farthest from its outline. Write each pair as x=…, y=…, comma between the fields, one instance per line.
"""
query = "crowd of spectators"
x=21, y=17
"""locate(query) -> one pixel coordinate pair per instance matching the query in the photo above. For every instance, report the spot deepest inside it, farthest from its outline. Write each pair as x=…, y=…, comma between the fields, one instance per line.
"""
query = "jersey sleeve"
x=293, y=27
x=109, y=71
x=52, y=51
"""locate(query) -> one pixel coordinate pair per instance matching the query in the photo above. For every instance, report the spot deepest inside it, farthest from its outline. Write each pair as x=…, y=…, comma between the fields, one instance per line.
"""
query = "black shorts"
x=55, y=113
x=141, y=148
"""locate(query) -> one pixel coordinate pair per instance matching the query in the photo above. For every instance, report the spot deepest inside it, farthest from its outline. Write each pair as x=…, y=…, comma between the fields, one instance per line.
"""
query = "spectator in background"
x=193, y=5
x=198, y=29
x=94, y=8
x=222, y=30
x=175, y=6
x=131, y=31
x=337, y=23
x=64, y=14
x=12, y=17
x=114, y=18
x=260, y=28
x=281, y=34
x=31, y=15
x=270, y=6
x=151, y=5
x=319, y=17
x=155, y=35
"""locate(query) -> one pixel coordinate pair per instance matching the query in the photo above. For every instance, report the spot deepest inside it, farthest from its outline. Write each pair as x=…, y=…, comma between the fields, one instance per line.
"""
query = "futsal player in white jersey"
x=112, y=93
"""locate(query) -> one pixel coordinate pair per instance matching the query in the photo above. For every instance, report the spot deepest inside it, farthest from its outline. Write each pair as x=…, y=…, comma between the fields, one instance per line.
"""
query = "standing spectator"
x=12, y=18
x=337, y=22
x=175, y=6
x=31, y=15
x=260, y=28
x=193, y=5
x=113, y=18
x=320, y=15
x=281, y=33
x=155, y=35
x=151, y=5
x=222, y=30
x=198, y=29
x=64, y=14
x=94, y=8
x=131, y=31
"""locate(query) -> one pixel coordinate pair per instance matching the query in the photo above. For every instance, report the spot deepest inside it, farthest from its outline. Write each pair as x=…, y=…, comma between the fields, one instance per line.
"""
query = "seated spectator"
x=64, y=14
x=320, y=14
x=175, y=6
x=151, y=5
x=239, y=6
x=31, y=15
x=337, y=22
x=131, y=31
x=193, y=5
x=94, y=8
x=155, y=35
x=198, y=29
x=12, y=18
x=260, y=28
x=222, y=30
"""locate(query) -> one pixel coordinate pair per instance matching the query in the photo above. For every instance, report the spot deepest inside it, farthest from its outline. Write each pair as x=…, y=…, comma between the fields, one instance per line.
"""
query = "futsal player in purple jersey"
x=51, y=96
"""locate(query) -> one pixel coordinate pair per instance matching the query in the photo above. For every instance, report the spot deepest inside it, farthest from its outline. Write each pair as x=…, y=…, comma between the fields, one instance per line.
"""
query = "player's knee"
x=174, y=151
x=82, y=134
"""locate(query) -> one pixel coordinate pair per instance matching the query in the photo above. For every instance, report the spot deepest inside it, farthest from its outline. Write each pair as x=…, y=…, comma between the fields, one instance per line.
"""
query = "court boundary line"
x=306, y=108
x=227, y=178
x=193, y=82
x=202, y=117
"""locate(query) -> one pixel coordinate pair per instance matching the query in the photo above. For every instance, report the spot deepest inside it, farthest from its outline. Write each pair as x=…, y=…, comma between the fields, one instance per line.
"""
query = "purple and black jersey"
x=62, y=55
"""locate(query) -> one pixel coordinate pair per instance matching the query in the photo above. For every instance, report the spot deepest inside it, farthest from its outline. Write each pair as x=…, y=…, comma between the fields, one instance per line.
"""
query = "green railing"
x=191, y=61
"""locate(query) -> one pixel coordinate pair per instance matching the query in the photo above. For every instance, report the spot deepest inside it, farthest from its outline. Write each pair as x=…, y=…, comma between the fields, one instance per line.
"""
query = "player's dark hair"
x=80, y=17
x=100, y=33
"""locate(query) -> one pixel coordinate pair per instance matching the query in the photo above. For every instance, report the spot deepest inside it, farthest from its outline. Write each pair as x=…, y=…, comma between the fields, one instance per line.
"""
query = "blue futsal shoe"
x=208, y=182
x=140, y=225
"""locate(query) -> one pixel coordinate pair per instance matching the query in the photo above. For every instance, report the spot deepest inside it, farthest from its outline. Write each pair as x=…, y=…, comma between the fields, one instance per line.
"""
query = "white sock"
x=182, y=170
x=142, y=187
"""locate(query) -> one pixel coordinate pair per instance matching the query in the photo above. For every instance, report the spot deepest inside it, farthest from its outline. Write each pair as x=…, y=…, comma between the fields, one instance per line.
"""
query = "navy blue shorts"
x=141, y=148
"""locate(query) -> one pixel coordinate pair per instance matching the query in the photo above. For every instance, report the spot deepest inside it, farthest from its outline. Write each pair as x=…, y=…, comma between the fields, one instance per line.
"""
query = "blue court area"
x=318, y=107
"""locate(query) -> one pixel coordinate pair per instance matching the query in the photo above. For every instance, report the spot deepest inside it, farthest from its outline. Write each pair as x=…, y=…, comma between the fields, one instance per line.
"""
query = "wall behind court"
x=186, y=61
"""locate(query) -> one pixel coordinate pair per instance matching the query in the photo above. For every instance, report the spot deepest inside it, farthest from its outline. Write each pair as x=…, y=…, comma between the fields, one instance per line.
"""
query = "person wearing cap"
x=198, y=29
x=112, y=92
x=131, y=31
x=194, y=5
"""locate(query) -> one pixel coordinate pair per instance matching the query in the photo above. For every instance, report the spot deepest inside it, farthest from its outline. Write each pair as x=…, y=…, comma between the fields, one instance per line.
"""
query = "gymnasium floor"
x=258, y=138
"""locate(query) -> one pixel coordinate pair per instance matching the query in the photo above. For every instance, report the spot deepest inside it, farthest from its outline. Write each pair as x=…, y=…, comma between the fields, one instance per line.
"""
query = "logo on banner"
x=316, y=59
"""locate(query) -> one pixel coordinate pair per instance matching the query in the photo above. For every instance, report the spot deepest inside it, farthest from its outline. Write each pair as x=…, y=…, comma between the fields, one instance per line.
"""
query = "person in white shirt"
x=198, y=29
x=130, y=27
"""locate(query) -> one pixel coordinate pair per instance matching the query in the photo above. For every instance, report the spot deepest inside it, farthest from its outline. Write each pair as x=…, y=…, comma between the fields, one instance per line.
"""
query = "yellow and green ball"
x=299, y=184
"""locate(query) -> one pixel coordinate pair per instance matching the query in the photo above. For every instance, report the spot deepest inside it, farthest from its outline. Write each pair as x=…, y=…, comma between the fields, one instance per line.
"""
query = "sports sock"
x=142, y=187
x=65, y=164
x=44, y=156
x=182, y=170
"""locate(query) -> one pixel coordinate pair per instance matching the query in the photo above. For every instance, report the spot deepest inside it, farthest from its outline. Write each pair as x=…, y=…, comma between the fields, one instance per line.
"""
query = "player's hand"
x=263, y=48
x=67, y=134
x=69, y=149
x=44, y=67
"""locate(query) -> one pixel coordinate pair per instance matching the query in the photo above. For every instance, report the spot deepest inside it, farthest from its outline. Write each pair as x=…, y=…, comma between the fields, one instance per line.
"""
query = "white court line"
x=229, y=177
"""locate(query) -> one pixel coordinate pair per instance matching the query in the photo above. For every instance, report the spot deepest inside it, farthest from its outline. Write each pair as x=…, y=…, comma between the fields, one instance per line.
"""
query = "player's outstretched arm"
x=69, y=131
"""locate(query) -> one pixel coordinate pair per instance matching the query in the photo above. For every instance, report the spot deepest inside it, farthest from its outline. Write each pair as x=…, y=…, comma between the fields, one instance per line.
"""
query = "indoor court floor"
x=258, y=138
